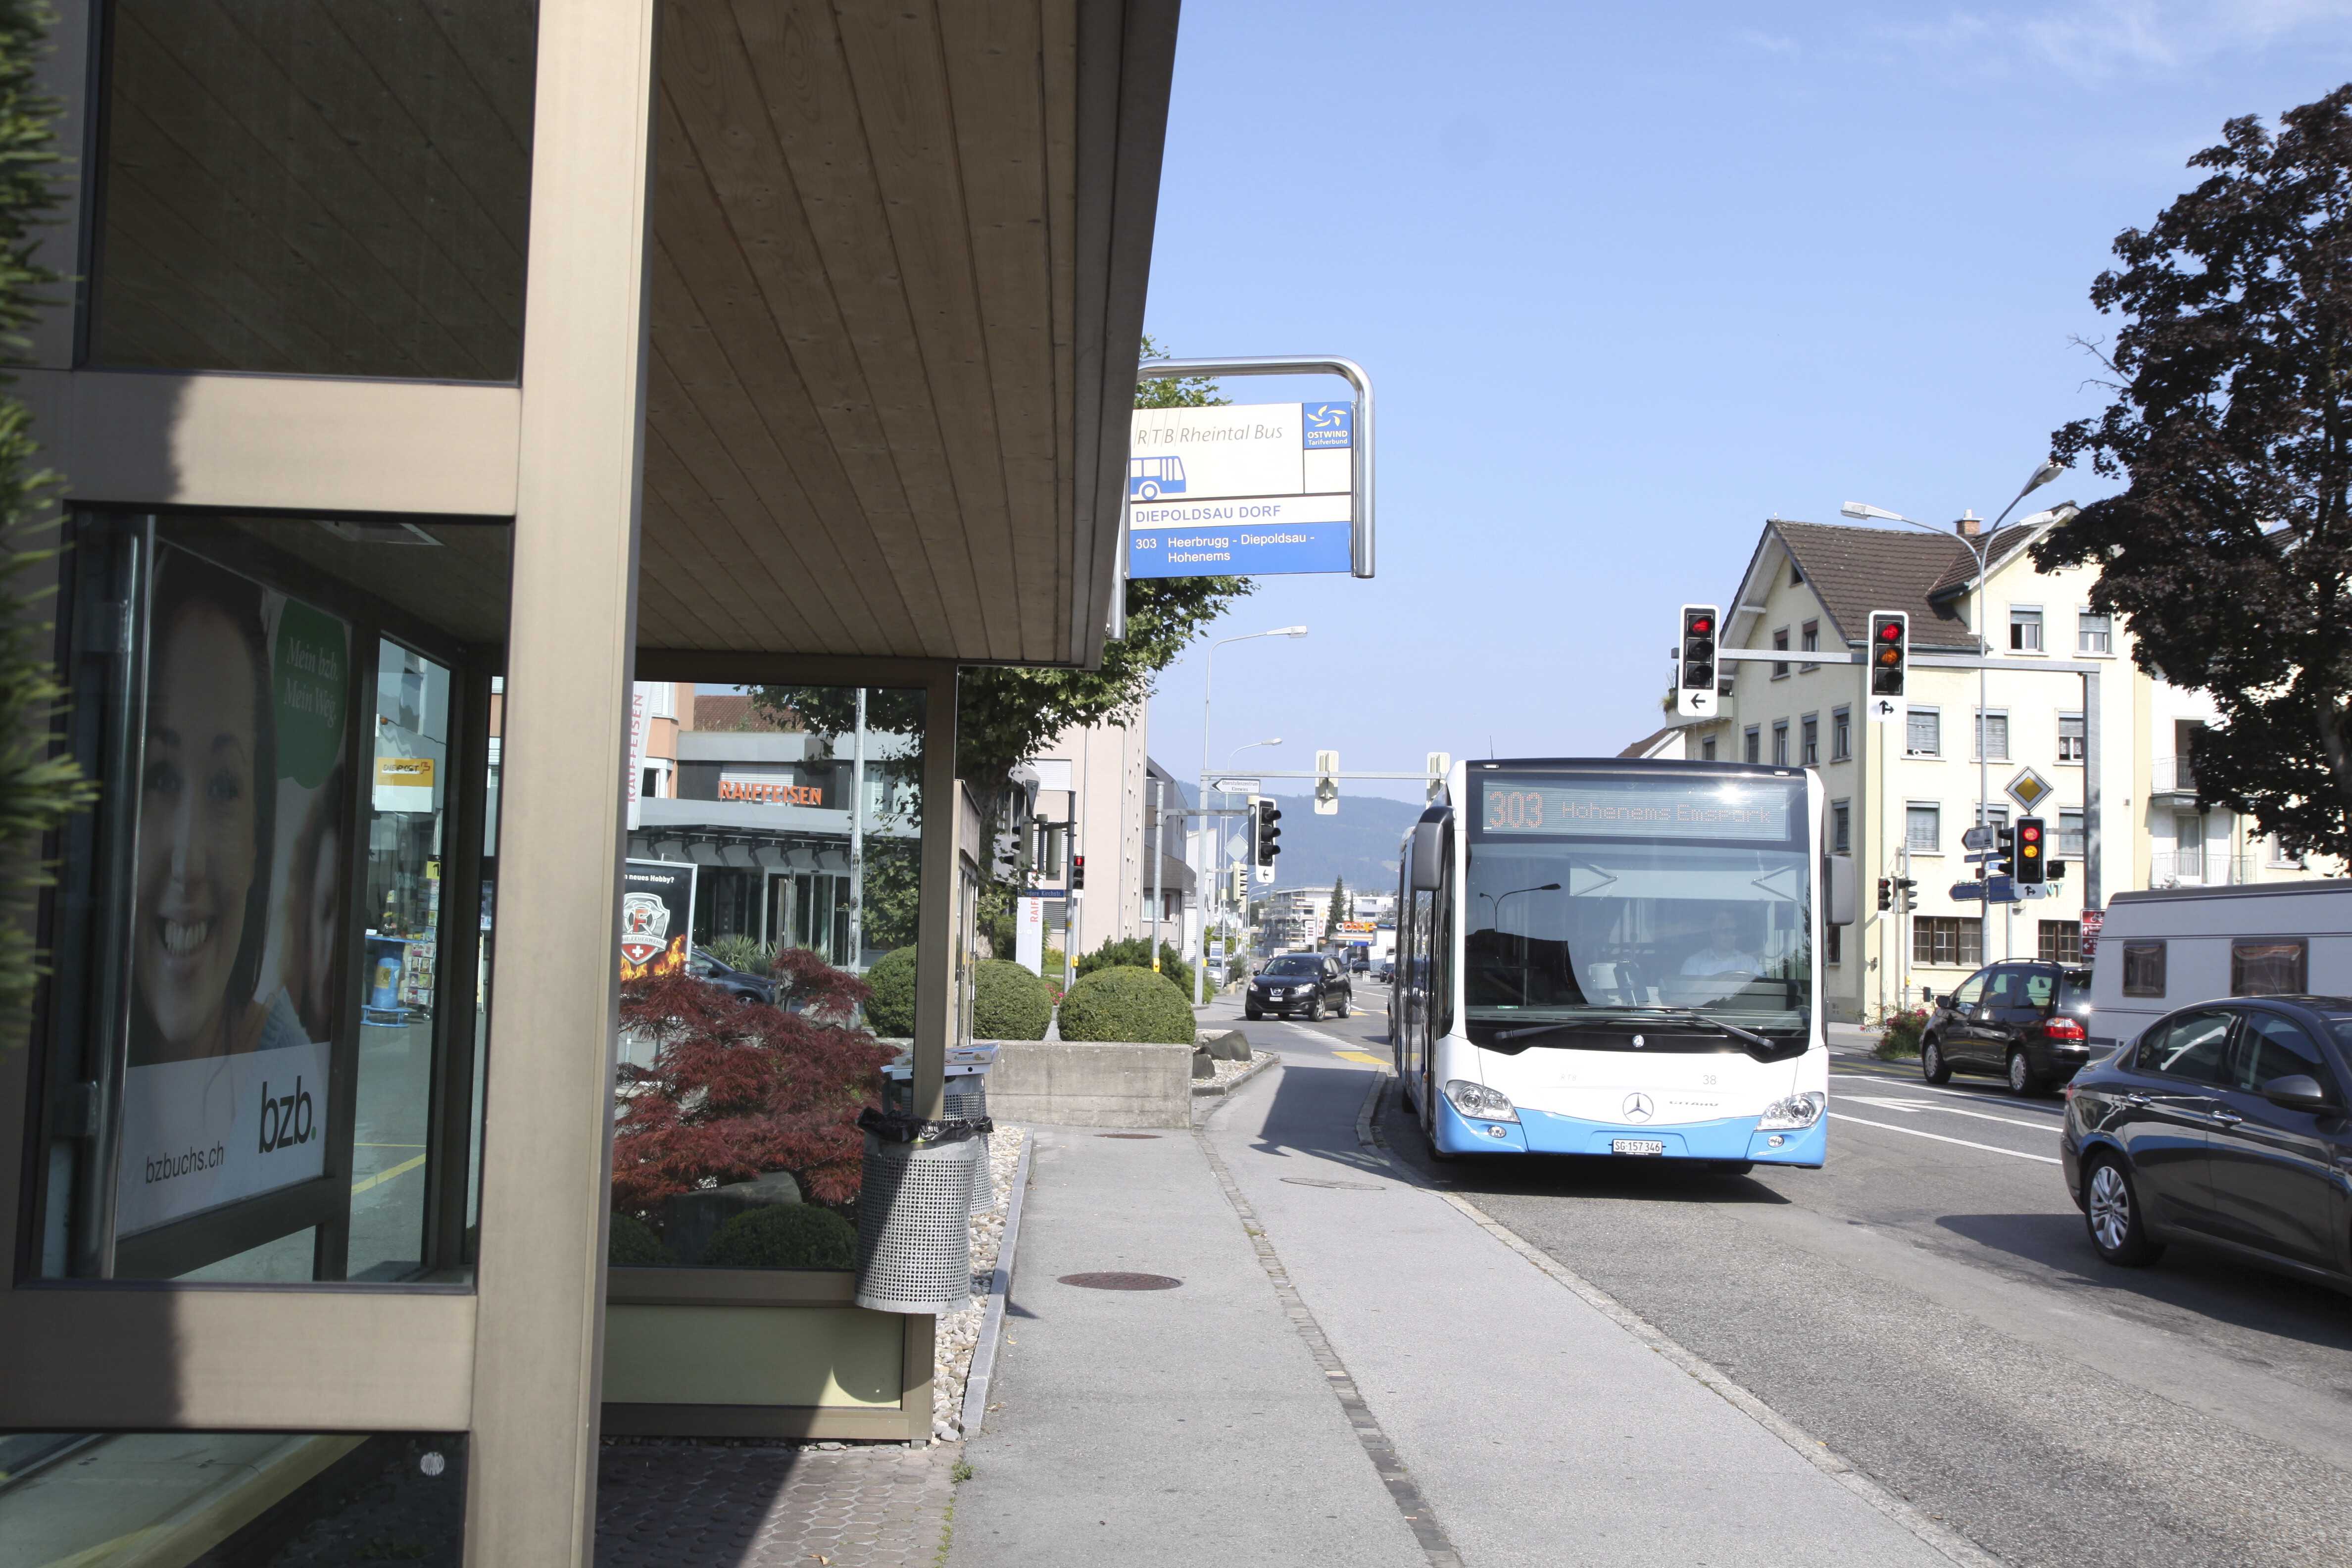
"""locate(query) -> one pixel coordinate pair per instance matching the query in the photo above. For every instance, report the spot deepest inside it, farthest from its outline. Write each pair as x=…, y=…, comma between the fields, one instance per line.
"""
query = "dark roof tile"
x=1855, y=571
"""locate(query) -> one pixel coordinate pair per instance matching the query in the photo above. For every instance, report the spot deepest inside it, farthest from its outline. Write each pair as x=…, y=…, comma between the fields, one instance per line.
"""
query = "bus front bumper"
x=1735, y=1138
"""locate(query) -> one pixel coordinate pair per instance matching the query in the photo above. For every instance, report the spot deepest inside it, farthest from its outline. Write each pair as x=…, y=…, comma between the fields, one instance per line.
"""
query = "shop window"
x=786, y=866
x=314, y=190
x=272, y=948
x=1946, y=939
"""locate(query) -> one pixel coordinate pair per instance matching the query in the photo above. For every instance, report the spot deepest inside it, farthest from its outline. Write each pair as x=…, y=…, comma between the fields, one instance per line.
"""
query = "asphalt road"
x=1928, y=1306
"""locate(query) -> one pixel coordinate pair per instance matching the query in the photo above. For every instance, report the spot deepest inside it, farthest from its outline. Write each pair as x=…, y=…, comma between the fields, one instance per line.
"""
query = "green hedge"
x=634, y=1245
x=1127, y=1003
x=890, y=1011
x=1009, y=1003
x=784, y=1236
x=1135, y=952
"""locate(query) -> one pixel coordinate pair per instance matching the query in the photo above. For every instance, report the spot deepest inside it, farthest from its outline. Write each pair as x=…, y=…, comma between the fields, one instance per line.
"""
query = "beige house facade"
x=2067, y=729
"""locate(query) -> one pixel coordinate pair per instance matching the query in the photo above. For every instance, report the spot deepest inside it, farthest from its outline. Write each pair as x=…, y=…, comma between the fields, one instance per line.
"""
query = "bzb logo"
x=287, y=1119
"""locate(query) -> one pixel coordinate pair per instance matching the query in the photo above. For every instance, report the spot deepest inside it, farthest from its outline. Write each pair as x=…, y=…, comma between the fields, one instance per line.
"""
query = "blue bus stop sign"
x=1264, y=537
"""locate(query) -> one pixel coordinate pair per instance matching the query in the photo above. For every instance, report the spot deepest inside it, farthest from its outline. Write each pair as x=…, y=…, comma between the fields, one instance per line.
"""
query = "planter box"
x=1092, y=1083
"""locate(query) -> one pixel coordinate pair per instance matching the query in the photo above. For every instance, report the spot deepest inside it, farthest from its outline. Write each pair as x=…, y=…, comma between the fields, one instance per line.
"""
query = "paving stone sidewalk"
x=678, y=1503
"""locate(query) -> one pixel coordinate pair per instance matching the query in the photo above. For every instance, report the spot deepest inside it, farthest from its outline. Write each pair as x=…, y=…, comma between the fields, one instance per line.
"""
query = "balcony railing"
x=2172, y=868
x=2174, y=775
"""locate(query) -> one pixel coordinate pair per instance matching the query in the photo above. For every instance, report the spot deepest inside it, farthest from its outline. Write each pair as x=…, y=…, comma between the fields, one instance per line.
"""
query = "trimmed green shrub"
x=784, y=1236
x=1135, y=952
x=1127, y=1003
x=1009, y=1003
x=634, y=1245
x=890, y=1011
x=743, y=953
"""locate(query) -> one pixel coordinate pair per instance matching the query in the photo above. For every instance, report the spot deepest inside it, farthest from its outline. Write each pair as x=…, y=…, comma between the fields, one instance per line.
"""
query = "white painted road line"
x=1914, y=1132
x=1918, y=1105
x=1909, y=1088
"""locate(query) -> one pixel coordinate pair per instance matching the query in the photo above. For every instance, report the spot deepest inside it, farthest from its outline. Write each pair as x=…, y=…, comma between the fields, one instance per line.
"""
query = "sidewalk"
x=1374, y=1379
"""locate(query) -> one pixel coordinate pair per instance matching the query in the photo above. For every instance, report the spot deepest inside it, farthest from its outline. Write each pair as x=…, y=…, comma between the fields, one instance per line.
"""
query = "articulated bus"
x=1619, y=957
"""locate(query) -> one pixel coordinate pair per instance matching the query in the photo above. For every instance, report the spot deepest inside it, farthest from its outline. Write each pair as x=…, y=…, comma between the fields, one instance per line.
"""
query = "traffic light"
x=1078, y=872
x=1890, y=652
x=2030, y=864
x=1694, y=661
x=1886, y=894
x=1269, y=837
x=2004, y=845
x=1907, y=890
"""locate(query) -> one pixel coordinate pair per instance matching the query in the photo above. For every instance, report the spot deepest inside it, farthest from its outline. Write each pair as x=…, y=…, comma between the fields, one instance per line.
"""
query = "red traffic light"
x=2030, y=833
x=1701, y=624
x=1890, y=631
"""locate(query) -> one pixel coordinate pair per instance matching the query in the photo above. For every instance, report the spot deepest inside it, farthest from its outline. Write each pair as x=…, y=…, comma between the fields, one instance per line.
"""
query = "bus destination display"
x=1686, y=809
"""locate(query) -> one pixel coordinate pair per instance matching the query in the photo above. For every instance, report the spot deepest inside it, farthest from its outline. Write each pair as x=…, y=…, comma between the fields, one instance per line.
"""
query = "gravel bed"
x=1228, y=1071
x=959, y=1332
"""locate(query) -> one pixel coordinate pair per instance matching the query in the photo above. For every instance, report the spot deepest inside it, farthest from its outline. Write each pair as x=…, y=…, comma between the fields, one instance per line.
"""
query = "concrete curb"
x=1212, y=1090
x=1953, y=1546
x=1000, y=1285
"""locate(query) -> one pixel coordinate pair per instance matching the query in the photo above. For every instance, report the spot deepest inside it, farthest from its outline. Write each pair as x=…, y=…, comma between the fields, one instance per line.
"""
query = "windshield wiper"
x=1746, y=1036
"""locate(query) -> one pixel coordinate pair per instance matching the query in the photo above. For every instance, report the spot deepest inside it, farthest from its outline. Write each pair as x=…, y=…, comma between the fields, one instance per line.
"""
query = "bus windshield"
x=1631, y=897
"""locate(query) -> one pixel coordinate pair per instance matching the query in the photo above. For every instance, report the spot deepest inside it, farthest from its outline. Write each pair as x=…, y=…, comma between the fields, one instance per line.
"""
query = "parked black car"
x=1305, y=983
x=741, y=985
x=2026, y=1022
x=2223, y=1123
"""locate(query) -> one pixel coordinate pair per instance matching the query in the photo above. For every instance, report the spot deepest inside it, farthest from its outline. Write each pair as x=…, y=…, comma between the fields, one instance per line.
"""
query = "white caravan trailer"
x=2171, y=947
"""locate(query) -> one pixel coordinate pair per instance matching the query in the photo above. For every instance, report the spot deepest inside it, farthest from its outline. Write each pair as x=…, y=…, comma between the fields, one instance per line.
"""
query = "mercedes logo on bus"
x=1639, y=1107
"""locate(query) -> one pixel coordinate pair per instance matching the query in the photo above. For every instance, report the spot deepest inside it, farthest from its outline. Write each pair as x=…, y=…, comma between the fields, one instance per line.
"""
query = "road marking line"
x=1362, y=1057
x=383, y=1176
x=1917, y=1105
x=1917, y=1088
x=1988, y=1148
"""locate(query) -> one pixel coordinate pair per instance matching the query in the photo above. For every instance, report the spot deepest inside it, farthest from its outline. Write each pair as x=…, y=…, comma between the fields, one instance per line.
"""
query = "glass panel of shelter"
x=263, y=1034
x=783, y=867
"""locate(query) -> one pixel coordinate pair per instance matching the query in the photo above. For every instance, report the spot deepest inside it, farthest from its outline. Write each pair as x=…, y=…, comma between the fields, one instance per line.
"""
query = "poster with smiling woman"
x=241, y=822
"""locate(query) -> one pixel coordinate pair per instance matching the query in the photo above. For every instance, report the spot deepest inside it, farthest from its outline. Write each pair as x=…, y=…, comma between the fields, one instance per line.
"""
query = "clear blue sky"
x=1631, y=279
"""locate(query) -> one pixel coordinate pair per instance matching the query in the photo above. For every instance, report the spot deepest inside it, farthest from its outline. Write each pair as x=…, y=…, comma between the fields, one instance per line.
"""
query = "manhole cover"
x=1126, y=1135
x=1116, y=1280
x=1341, y=1186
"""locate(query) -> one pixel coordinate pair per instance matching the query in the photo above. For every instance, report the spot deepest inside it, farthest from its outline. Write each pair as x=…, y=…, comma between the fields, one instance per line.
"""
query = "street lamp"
x=1208, y=673
x=2048, y=469
x=1248, y=746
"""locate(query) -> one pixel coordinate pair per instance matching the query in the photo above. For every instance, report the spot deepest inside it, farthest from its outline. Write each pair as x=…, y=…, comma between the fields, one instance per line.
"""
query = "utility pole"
x=1158, y=854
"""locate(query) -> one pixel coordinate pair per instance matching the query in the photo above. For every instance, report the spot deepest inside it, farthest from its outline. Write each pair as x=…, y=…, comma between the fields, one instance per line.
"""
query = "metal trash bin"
x=914, y=1214
x=966, y=1096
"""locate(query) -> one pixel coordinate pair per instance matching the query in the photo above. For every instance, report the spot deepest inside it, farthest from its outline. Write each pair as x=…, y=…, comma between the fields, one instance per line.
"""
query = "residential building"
x=1901, y=796
x=1092, y=778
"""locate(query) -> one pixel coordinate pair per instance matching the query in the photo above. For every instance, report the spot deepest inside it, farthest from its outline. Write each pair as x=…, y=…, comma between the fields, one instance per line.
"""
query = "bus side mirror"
x=1428, y=855
x=1839, y=889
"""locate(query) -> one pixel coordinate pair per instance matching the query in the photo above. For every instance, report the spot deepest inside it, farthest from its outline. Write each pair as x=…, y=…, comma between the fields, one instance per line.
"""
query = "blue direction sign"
x=1993, y=890
x=1984, y=855
x=1967, y=892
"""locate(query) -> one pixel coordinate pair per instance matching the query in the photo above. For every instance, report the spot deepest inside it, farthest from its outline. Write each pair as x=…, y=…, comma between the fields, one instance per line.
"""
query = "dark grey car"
x=2026, y=1022
x=1304, y=982
x=2222, y=1123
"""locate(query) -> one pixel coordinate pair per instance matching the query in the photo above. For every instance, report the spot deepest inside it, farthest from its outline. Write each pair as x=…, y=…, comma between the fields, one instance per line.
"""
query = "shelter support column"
x=554, y=1016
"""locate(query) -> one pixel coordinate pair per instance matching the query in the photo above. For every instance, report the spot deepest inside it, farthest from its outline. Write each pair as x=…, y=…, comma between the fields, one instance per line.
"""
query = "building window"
x=2072, y=742
x=2072, y=842
x=1780, y=743
x=1947, y=939
x=1840, y=734
x=1707, y=749
x=1810, y=736
x=1992, y=736
x=2061, y=943
x=1796, y=573
x=2144, y=969
x=2271, y=966
x=2187, y=845
x=1841, y=827
x=1752, y=745
x=1923, y=732
x=1808, y=637
x=1780, y=644
x=1833, y=948
x=1923, y=828
x=2095, y=632
x=2280, y=858
x=2025, y=628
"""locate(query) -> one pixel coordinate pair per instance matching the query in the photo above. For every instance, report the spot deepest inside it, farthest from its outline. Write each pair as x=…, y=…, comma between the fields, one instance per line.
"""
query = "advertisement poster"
x=656, y=916
x=242, y=837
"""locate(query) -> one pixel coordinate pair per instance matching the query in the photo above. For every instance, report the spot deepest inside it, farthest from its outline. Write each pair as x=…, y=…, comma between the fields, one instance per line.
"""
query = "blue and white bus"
x=1619, y=957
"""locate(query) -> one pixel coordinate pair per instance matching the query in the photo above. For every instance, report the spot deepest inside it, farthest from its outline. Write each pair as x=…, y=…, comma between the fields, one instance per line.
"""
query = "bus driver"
x=1722, y=955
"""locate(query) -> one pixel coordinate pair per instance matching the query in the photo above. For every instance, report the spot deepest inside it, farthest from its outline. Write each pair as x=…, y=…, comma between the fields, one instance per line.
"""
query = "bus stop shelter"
x=434, y=374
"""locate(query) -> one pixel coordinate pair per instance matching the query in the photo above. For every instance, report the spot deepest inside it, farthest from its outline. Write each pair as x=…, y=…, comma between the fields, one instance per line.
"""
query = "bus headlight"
x=1478, y=1101
x=1797, y=1110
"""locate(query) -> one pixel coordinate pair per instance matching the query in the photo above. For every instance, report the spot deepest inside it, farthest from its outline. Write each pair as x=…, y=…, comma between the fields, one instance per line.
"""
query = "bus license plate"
x=1636, y=1146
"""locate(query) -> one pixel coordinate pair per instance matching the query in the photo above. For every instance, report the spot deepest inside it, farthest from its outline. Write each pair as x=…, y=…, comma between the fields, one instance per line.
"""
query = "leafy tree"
x=2229, y=553
x=37, y=790
x=1339, y=909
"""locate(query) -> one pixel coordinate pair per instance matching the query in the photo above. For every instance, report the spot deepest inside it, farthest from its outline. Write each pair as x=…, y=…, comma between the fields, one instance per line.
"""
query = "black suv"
x=2222, y=1123
x=1305, y=983
x=2024, y=1021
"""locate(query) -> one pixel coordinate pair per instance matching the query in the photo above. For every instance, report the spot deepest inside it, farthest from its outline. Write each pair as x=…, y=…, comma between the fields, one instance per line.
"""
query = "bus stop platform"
x=1348, y=1368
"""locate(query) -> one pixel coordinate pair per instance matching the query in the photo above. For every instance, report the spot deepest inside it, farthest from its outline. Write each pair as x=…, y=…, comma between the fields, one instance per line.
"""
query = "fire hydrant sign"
x=1247, y=489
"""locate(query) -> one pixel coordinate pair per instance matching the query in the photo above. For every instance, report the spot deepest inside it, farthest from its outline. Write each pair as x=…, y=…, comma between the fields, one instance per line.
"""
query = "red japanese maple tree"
x=736, y=1088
